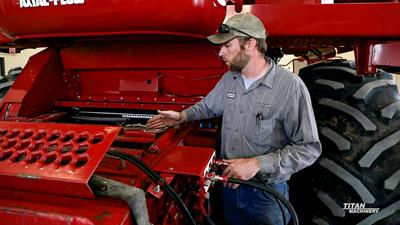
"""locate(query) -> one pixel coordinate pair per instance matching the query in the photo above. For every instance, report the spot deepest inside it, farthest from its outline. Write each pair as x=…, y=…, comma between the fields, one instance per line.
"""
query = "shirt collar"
x=269, y=76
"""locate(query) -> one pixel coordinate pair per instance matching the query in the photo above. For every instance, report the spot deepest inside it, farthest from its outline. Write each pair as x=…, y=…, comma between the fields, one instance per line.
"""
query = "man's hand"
x=243, y=169
x=165, y=119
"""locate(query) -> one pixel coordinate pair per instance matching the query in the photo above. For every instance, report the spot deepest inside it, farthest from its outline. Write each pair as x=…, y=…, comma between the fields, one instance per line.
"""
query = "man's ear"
x=251, y=43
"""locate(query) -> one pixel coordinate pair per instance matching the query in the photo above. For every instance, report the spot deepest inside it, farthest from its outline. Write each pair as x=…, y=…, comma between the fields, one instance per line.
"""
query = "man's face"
x=234, y=55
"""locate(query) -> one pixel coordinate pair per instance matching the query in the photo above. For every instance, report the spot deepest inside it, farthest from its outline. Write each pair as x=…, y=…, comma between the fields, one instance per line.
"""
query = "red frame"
x=99, y=54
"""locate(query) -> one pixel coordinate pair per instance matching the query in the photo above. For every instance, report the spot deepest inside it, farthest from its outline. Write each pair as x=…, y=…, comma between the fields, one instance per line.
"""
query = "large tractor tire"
x=358, y=119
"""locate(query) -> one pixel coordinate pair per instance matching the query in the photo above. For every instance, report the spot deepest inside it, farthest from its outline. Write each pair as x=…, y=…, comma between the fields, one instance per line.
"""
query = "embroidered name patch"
x=231, y=95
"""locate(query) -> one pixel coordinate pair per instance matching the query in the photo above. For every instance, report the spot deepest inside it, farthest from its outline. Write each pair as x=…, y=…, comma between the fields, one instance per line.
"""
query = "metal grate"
x=52, y=158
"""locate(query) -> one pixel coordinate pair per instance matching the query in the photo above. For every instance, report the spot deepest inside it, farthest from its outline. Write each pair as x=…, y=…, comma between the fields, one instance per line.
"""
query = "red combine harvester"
x=74, y=148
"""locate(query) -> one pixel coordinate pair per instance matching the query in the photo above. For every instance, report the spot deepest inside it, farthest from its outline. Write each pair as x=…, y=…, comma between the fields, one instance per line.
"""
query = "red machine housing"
x=108, y=61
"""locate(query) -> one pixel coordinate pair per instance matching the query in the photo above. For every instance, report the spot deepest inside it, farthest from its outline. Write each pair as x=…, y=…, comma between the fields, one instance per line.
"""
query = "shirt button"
x=236, y=130
x=241, y=111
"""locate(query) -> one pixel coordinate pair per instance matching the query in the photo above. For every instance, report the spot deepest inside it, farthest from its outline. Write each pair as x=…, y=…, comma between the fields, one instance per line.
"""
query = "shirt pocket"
x=264, y=131
x=264, y=125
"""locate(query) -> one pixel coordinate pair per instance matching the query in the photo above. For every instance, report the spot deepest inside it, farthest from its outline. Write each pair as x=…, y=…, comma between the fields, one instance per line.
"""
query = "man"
x=268, y=127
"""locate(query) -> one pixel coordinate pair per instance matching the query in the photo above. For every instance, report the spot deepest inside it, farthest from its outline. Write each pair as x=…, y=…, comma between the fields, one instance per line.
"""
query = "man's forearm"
x=290, y=159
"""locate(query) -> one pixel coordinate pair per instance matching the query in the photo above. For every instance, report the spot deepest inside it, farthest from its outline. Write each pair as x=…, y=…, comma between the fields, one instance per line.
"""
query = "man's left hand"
x=243, y=169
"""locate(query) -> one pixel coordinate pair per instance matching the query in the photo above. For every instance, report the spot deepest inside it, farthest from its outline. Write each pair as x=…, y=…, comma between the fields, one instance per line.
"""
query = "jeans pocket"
x=268, y=209
x=282, y=188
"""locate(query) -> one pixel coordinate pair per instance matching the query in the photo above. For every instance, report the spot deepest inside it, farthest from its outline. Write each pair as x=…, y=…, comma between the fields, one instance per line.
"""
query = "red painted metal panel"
x=163, y=141
x=118, y=82
x=163, y=67
x=5, y=38
x=190, y=83
x=52, y=158
x=115, y=101
x=140, y=105
x=20, y=208
x=136, y=135
x=362, y=52
x=10, y=111
x=141, y=54
x=288, y=1
x=105, y=17
x=329, y=20
x=124, y=84
x=39, y=85
x=154, y=189
x=187, y=160
x=386, y=54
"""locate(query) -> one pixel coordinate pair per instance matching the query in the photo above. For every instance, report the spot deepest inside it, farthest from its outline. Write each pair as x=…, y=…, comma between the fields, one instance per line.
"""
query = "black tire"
x=359, y=126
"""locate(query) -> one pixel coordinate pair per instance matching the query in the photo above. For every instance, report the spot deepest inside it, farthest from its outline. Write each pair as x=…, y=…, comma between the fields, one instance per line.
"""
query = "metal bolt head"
x=157, y=189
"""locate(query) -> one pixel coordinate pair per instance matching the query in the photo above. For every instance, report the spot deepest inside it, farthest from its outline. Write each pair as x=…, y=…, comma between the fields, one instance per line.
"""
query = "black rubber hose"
x=276, y=194
x=209, y=221
x=156, y=179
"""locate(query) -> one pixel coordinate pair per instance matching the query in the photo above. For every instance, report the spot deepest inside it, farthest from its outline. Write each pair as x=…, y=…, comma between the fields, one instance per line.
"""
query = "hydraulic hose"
x=133, y=196
x=276, y=194
x=156, y=179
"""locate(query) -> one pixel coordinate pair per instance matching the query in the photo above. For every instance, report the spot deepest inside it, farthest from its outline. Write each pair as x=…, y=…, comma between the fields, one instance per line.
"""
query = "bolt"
x=157, y=189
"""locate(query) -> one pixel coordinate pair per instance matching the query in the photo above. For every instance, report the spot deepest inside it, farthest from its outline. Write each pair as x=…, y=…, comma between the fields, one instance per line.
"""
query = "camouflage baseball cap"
x=244, y=25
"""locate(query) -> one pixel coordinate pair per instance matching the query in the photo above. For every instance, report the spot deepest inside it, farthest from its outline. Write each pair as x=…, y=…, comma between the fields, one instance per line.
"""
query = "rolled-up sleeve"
x=304, y=146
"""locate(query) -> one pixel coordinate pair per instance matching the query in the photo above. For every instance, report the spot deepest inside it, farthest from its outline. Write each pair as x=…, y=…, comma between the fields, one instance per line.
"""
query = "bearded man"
x=268, y=126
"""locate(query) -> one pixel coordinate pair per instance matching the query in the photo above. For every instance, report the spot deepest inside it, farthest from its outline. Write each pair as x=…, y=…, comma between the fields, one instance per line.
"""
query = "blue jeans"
x=247, y=205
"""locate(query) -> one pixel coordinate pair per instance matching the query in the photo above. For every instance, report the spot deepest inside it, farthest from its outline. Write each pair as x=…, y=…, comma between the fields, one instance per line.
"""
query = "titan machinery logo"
x=358, y=208
x=44, y=3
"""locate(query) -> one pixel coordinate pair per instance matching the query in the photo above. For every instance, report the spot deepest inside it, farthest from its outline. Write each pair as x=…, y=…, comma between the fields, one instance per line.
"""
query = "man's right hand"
x=166, y=119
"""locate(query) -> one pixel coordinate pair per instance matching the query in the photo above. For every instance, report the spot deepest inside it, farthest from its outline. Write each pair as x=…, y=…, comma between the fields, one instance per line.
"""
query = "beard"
x=239, y=61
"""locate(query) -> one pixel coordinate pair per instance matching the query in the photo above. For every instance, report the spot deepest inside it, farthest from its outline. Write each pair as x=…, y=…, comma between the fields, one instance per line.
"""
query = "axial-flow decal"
x=44, y=3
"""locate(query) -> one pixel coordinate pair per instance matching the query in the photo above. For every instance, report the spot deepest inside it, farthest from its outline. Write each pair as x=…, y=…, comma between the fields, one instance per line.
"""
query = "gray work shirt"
x=272, y=120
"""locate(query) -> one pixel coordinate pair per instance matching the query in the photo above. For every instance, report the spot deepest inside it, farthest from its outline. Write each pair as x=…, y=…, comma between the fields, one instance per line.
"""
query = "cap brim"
x=220, y=38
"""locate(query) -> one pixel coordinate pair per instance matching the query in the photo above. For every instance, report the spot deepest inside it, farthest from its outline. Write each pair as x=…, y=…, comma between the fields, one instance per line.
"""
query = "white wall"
x=18, y=59
x=295, y=66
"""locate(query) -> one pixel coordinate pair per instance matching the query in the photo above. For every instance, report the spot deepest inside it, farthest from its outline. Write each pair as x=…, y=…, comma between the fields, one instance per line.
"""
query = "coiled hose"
x=172, y=193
